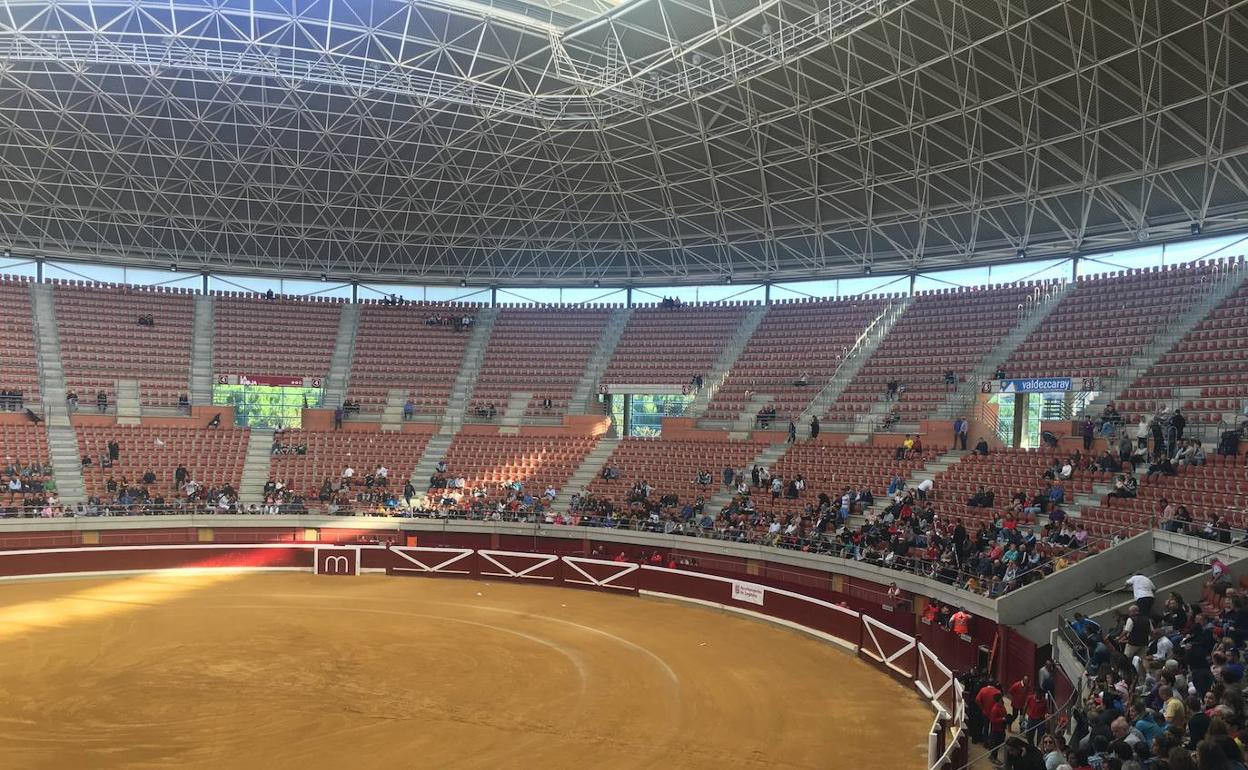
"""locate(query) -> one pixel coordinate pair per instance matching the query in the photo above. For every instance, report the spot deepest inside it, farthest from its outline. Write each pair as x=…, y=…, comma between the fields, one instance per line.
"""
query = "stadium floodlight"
x=1195, y=228
x=866, y=269
x=1021, y=254
x=324, y=276
x=462, y=283
x=597, y=284
x=173, y=267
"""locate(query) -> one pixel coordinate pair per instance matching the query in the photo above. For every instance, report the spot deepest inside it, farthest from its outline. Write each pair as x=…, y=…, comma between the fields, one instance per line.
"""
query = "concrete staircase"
x=744, y=424
x=589, y=469
x=1171, y=334
x=583, y=394
x=469, y=368
x=435, y=450
x=513, y=413
x=392, y=415
x=201, y=350
x=340, y=364
x=256, y=466
x=62, y=441
x=853, y=362
x=129, y=410
x=727, y=359
x=959, y=402
x=765, y=458
x=930, y=470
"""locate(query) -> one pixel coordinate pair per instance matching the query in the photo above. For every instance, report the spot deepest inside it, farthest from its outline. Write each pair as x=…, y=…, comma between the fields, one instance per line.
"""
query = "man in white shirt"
x=1165, y=647
x=1142, y=589
x=924, y=487
x=382, y=472
x=348, y=472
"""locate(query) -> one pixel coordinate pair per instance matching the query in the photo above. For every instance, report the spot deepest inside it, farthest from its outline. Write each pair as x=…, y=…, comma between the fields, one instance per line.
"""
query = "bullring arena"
x=843, y=384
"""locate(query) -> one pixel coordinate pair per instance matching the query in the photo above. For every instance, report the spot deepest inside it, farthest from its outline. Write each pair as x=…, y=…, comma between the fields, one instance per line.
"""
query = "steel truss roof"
x=556, y=142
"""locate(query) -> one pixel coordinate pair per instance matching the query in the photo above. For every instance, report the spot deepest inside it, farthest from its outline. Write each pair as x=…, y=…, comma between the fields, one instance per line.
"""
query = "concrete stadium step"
x=392, y=415
x=469, y=368
x=765, y=458
x=62, y=441
x=129, y=408
x=435, y=450
x=587, y=386
x=713, y=379
x=853, y=362
x=513, y=413
x=340, y=363
x=256, y=466
x=958, y=403
x=588, y=470
x=201, y=350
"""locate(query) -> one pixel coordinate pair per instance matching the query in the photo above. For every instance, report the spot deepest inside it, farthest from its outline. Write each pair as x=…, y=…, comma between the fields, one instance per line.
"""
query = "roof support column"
x=355, y=291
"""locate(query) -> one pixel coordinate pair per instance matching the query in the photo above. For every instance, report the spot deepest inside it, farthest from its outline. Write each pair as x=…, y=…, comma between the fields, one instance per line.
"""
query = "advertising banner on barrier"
x=1033, y=385
x=272, y=381
x=747, y=592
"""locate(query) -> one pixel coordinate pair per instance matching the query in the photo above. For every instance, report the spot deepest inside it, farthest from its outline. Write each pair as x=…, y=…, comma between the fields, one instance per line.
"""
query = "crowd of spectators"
x=449, y=495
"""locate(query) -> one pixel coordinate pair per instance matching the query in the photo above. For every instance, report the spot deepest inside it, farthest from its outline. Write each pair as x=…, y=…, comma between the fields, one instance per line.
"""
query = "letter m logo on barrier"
x=337, y=561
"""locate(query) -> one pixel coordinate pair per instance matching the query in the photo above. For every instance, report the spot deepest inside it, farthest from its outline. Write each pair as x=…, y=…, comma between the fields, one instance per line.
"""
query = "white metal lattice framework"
x=555, y=142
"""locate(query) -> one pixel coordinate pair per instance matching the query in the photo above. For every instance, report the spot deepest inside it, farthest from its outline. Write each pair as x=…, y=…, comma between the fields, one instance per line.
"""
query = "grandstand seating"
x=950, y=329
x=668, y=346
x=284, y=336
x=543, y=351
x=830, y=469
x=19, y=367
x=1218, y=487
x=671, y=466
x=213, y=457
x=794, y=338
x=329, y=453
x=536, y=461
x=1112, y=317
x=1004, y=473
x=102, y=341
x=24, y=445
x=1212, y=357
x=396, y=348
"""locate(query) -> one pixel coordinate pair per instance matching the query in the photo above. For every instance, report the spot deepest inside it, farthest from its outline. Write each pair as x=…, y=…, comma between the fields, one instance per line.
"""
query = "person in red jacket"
x=997, y=721
x=1018, y=696
x=1036, y=709
x=984, y=699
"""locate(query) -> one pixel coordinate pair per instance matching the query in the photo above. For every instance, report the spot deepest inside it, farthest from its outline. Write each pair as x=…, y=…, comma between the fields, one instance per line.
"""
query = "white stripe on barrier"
x=406, y=553
x=625, y=568
x=543, y=559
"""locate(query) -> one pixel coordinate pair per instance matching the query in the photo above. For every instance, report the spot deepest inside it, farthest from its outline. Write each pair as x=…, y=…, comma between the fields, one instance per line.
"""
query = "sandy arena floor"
x=273, y=671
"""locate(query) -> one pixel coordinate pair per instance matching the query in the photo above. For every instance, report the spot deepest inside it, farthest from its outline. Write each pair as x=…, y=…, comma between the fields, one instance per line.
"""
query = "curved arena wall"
x=909, y=657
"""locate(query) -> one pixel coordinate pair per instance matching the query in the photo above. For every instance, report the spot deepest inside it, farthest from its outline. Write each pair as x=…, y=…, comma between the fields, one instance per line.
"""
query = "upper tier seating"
x=831, y=469
x=794, y=338
x=536, y=461
x=285, y=336
x=1212, y=357
x=102, y=341
x=19, y=367
x=213, y=457
x=329, y=453
x=949, y=329
x=668, y=346
x=395, y=347
x=1105, y=320
x=671, y=466
x=542, y=351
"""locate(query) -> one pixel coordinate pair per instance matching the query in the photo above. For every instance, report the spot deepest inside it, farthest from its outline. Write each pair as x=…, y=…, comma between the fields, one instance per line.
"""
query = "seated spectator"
x=1125, y=486
x=802, y=380
x=951, y=379
x=184, y=403
x=981, y=447
x=983, y=498
x=1161, y=466
x=903, y=451
x=409, y=409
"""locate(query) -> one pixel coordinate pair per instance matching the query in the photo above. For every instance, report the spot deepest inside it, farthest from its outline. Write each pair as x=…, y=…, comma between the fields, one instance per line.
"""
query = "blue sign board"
x=1033, y=385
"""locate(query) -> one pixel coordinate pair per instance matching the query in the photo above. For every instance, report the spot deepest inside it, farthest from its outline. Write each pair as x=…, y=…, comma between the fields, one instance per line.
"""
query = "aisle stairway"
x=62, y=441
x=129, y=410
x=765, y=458
x=727, y=358
x=583, y=395
x=340, y=364
x=201, y=350
x=256, y=466
x=589, y=469
x=854, y=361
x=469, y=368
x=435, y=450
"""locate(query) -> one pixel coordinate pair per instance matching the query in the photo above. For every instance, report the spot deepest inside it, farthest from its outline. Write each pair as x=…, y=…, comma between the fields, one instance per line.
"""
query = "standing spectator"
x=997, y=720
x=814, y=427
x=338, y=418
x=1179, y=422
x=1089, y=430
x=114, y=450
x=101, y=401
x=1142, y=590
x=409, y=409
x=792, y=432
x=961, y=432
